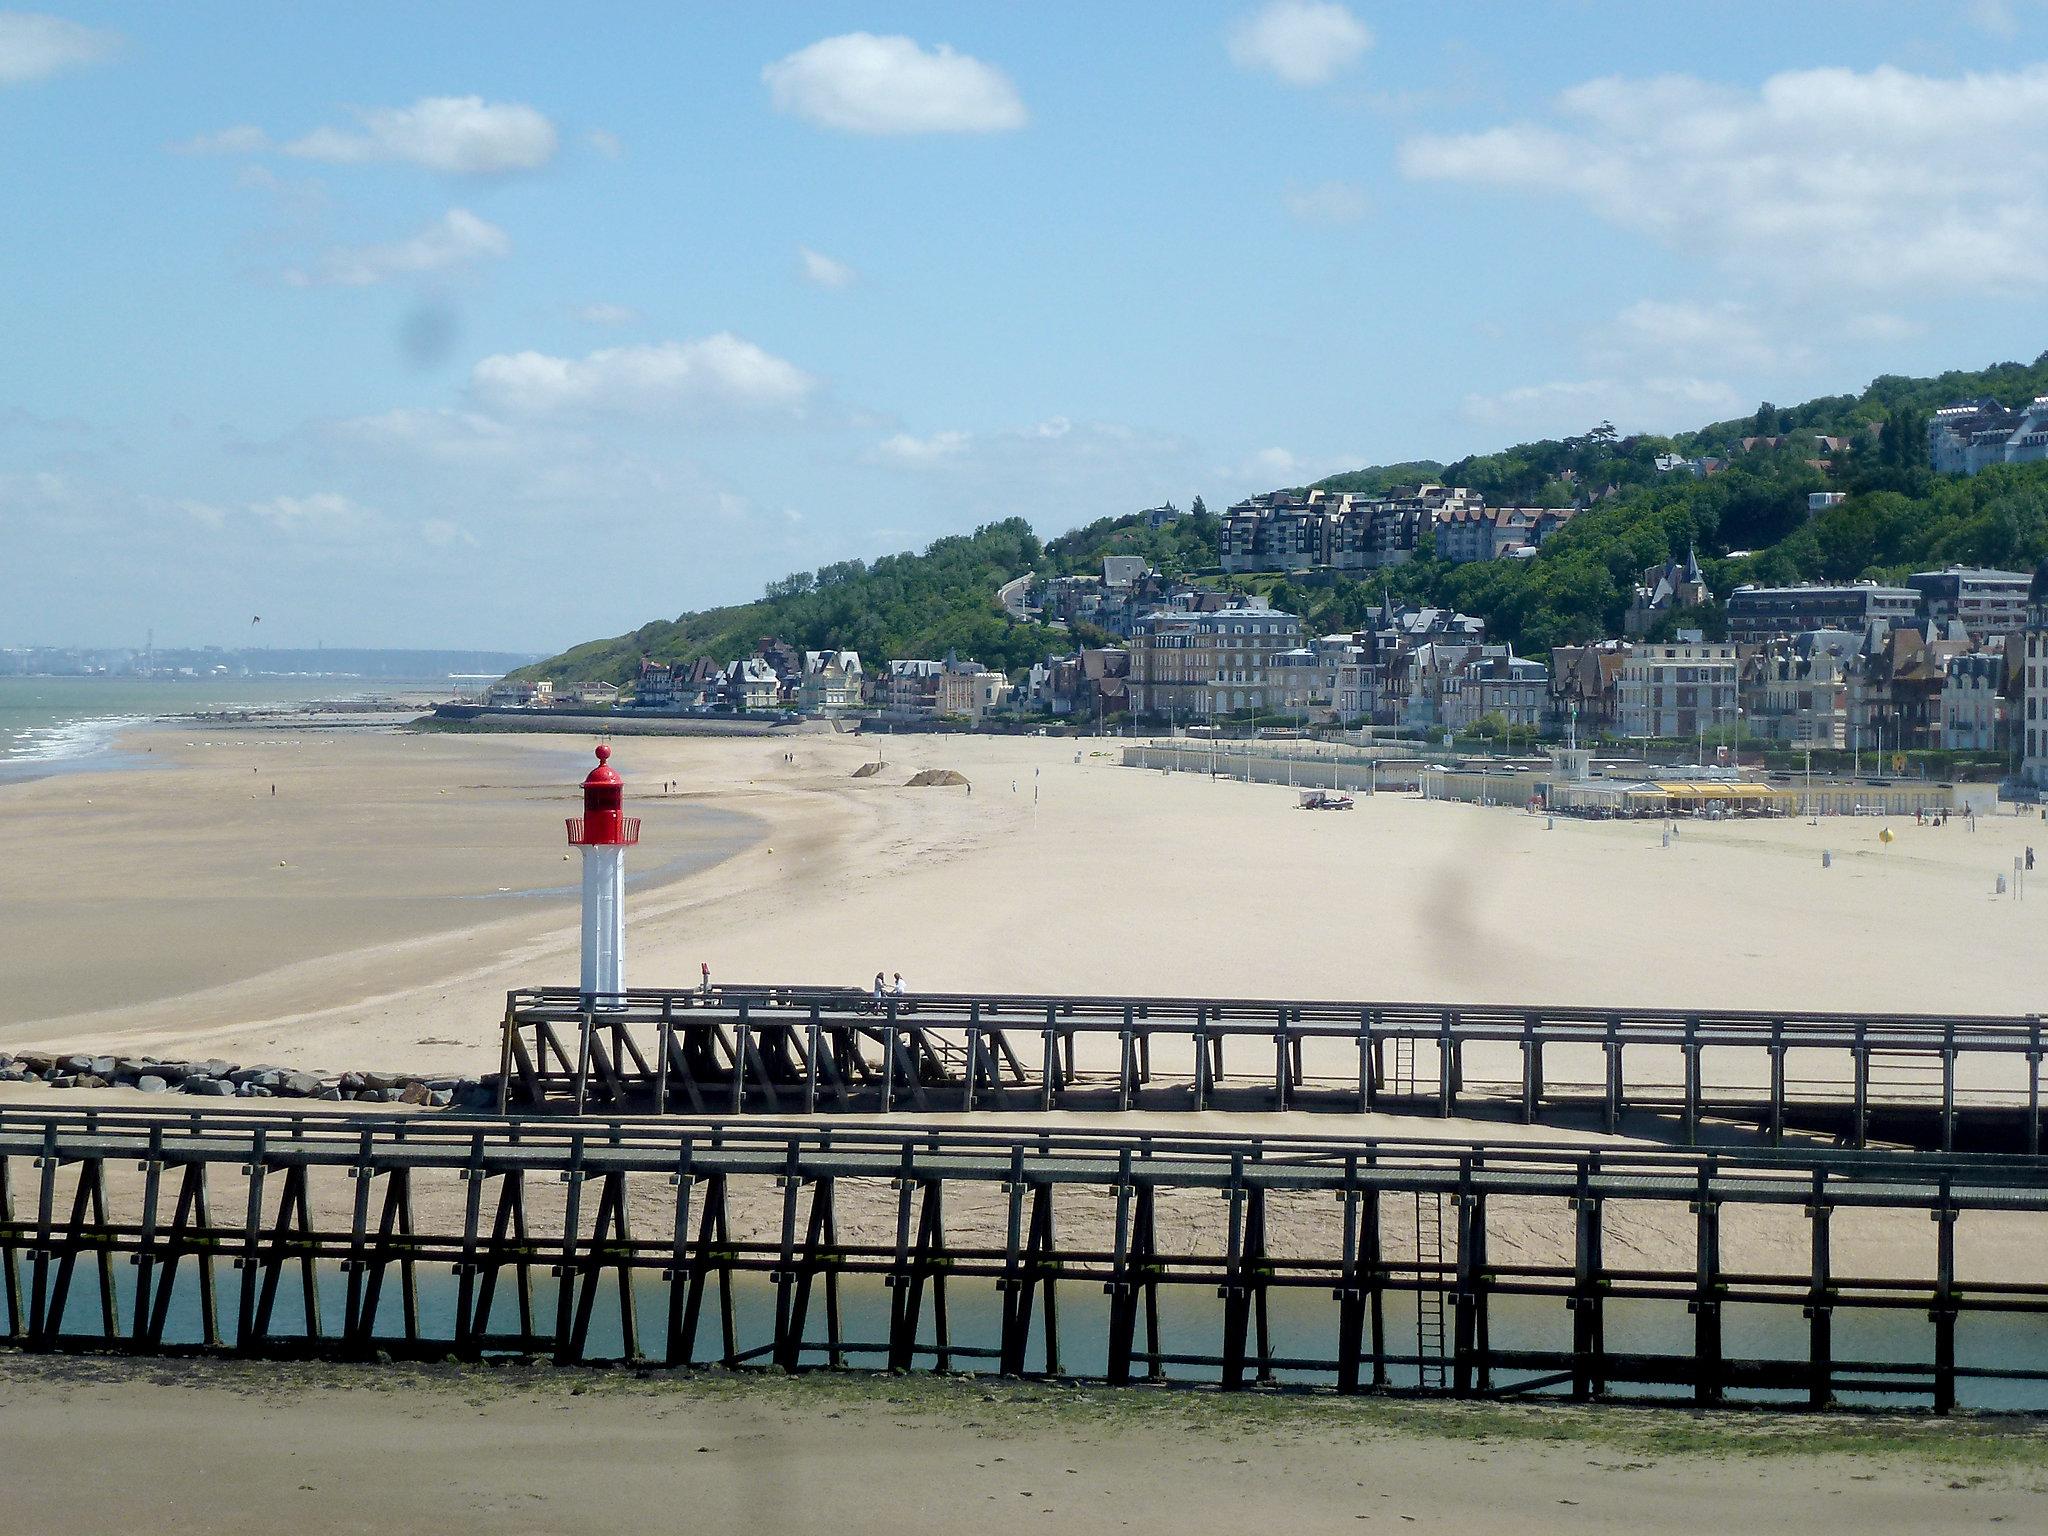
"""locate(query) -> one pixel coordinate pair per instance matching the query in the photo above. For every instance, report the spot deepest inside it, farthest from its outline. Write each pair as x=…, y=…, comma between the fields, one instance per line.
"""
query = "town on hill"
x=1852, y=574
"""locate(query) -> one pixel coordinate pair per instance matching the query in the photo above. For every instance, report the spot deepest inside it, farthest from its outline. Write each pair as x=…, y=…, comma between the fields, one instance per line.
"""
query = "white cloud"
x=903, y=448
x=1816, y=179
x=461, y=135
x=1880, y=325
x=821, y=271
x=1566, y=406
x=607, y=314
x=1721, y=334
x=326, y=513
x=717, y=372
x=1303, y=42
x=442, y=534
x=467, y=439
x=1328, y=203
x=860, y=83
x=243, y=139
x=457, y=239
x=34, y=46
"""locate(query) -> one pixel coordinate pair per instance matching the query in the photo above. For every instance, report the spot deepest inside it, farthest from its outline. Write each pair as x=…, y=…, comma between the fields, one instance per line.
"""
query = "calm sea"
x=50, y=724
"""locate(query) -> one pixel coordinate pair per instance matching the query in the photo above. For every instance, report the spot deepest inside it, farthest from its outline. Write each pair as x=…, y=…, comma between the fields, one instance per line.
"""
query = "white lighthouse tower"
x=604, y=833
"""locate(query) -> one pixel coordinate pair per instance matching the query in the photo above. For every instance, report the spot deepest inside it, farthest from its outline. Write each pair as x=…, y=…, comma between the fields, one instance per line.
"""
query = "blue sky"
x=515, y=325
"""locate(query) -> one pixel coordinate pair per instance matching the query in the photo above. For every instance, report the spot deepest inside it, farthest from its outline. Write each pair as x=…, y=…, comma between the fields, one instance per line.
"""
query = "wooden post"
x=1948, y=1088
x=1692, y=1081
x=2033, y=1086
x=1862, y=1069
x=1820, y=1300
x=1589, y=1351
x=1706, y=1298
x=1944, y=1310
x=1612, y=1047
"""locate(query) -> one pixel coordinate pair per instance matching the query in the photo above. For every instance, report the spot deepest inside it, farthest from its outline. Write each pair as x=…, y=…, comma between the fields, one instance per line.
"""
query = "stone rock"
x=92, y=1080
x=331, y=1095
x=76, y=1063
x=102, y=1066
x=440, y=1098
x=209, y=1087
x=351, y=1082
x=37, y=1062
x=133, y=1066
x=380, y=1079
x=258, y=1091
x=219, y=1068
x=414, y=1093
x=60, y=1080
x=149, y=1082
x=301, y=1085
x=12, y=1075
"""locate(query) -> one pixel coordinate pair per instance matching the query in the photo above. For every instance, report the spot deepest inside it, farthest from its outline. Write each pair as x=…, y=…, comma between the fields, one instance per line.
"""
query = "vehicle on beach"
x=1325, y=800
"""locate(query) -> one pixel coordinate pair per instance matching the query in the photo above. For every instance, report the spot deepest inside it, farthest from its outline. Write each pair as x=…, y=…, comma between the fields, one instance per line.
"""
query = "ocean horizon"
x=62, y=724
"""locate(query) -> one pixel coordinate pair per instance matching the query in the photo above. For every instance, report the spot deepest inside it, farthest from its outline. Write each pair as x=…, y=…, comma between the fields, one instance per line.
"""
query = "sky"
x=514, y=325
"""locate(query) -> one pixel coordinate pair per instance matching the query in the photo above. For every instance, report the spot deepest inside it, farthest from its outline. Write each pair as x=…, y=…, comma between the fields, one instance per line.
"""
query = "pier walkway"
x=1936, y=1082
x=1343, y=1263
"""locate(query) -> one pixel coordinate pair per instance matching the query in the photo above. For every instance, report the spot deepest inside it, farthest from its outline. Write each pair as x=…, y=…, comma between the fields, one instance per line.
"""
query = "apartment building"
x=1987, y=603
x=1199, y=665
x=1797, y=691
x=1973, y=702
x=2030, y=725
x=1974, y=434
x=1757, y=614
x=1678, y=690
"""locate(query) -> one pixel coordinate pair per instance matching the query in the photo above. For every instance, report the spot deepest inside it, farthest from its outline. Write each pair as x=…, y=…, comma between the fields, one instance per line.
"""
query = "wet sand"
x=329, y=1450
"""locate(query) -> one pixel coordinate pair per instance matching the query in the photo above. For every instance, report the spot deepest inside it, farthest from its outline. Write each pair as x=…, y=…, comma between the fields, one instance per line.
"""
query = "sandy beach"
x=507, y=1453
x=376, y=909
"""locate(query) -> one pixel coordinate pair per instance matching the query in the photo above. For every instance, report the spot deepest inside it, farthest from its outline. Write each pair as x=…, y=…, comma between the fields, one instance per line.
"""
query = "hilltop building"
x=1974, y=434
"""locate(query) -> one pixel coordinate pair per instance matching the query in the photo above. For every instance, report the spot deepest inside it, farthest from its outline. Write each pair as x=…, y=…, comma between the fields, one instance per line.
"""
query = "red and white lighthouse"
x=604, y=832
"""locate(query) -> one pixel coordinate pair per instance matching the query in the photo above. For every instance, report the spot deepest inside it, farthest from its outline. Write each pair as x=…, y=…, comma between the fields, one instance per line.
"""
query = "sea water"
x=54, y=724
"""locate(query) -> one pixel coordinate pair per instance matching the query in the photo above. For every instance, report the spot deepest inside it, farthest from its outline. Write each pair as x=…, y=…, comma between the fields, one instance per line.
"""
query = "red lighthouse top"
x=603, y=823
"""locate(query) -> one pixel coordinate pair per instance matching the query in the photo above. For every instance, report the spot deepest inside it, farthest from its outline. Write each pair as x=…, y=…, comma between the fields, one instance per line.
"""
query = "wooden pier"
x=1936, y=1082
x=1353, y=1265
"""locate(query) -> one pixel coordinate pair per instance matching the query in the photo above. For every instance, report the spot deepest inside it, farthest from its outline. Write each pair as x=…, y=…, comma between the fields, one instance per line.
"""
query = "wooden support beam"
x=1706, y=1297
x=1820, y=1300
x=1943, y=1313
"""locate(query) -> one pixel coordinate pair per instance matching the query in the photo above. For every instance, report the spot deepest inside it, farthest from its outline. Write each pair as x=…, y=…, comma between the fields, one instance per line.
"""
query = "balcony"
x=604, y=831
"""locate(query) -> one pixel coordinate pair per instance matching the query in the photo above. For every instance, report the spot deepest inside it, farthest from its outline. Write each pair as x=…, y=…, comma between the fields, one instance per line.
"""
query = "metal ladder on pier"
x=1429, y=1296
x=1404, y=1066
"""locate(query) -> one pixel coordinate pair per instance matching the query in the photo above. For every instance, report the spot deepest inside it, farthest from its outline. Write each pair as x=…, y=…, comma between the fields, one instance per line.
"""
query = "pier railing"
x=1933, y=1081
x=1053, y=1253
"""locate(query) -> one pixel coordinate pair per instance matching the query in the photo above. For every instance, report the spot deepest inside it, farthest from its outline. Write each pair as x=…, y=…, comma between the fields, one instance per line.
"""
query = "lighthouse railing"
x=628, y=829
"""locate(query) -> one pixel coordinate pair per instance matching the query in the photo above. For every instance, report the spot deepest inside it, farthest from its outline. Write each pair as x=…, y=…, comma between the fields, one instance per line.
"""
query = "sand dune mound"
x=935, y=777
x=867, y=770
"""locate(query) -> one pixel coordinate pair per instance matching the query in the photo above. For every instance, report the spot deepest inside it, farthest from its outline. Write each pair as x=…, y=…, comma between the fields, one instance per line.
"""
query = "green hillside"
x=900, y=605
x=1749, y=522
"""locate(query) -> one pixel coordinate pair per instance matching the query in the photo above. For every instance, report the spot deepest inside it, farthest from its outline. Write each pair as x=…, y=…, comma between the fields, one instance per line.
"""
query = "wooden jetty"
x=824, y=1243
x=1937, y=1082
